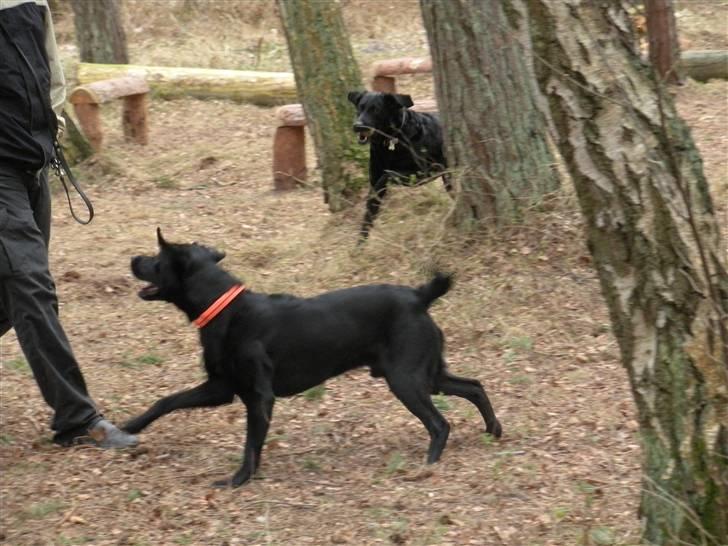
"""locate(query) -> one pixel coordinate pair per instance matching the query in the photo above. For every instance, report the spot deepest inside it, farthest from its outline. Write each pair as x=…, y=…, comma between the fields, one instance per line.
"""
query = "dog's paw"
x=495, y=429
x=221, y=484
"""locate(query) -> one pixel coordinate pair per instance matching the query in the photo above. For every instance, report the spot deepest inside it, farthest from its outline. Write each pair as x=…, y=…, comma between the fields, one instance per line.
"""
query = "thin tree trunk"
x=495, y=135
x=99, y=31
x=325, y=71
x=664, y=49
x=656, y=244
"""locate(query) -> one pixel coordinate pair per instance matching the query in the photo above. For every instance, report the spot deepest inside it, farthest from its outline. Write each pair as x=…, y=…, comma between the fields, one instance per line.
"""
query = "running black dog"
x=405, y=146
x=260, y=346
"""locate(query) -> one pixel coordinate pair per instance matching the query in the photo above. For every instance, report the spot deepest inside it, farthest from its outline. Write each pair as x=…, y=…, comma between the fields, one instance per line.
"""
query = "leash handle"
x=60, y=165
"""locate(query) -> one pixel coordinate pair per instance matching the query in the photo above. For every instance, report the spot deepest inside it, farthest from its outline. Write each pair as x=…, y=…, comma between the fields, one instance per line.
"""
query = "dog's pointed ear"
x=160, y=239
x=217, y=254
x=403, y=100
x=355, y=96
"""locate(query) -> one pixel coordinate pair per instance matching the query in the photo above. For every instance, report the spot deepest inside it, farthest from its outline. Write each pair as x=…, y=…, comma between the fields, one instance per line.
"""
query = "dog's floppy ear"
x=160, y=239
x=355, y=96
x=403, y=100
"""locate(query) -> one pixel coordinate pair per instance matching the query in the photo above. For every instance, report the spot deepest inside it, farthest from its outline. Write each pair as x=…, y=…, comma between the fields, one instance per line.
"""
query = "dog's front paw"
x=240, y=478
x=495, y=429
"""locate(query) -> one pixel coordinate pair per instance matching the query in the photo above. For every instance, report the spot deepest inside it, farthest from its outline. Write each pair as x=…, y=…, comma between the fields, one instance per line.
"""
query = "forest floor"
x=343, y=464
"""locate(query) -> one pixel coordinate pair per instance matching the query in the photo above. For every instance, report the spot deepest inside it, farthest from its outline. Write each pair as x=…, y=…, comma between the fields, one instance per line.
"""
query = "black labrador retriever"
x=405, y=146
x=260, y=346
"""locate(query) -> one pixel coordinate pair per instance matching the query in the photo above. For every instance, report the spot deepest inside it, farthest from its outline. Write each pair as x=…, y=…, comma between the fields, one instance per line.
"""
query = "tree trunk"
x=99, y=31
x=495, y=135
x=655, y=240
x=664, y=48
x=325, y=71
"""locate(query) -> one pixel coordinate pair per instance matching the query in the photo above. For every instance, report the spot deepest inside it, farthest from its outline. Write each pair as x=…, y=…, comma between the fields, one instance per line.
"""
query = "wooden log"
x=703, y=65
x=404, y=65
x=106, y=90
x=383, y=72
x=263, y=88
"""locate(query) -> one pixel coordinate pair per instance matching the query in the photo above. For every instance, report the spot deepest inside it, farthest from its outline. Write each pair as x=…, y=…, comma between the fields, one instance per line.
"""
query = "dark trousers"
x=28, y=299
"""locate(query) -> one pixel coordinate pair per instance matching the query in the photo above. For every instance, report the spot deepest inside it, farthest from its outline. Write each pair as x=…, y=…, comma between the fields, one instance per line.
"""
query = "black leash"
x=60, y=165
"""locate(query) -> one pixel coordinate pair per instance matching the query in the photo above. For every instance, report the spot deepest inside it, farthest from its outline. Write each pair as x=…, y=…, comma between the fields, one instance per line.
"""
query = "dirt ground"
x=344, y=464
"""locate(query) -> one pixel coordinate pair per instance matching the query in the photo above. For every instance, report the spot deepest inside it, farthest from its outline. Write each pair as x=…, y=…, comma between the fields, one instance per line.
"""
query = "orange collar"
x=218, y=305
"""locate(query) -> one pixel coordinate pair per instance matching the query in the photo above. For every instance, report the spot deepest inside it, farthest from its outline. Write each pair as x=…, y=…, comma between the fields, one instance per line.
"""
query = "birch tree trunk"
x=496, y=138
x=656, y=244
x=99, y=31
x=325, y=71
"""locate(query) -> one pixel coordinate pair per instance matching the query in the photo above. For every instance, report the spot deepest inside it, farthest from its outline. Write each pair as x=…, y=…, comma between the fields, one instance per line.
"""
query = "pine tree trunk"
x=664, y=48
x=495, y=136
x=656, y=244
x=99, y=31
x=325, y=71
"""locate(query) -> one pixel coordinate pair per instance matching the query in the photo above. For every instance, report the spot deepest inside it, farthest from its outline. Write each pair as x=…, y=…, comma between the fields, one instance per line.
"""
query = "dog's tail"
x=438, y=286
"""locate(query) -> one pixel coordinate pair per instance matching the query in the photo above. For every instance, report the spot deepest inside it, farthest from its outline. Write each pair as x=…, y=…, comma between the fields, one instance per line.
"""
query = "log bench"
x=87, y=100
x=289, y=143
x=384, y=72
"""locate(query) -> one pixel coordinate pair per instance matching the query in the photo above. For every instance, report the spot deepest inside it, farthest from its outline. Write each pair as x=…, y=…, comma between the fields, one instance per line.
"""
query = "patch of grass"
x=43, y=509
x=487, y=439
x=183, y=539
x=602, y=536
x=396, y=463
x=134, y=494
x=519, y=344
x=6, y=439
x=311, y=464
x=315, y=393
x=148, y=359
x=63, y=540
x=165, y=182
x=560, y=512
x=18, y=364
x=520, y=380
x=441, y=402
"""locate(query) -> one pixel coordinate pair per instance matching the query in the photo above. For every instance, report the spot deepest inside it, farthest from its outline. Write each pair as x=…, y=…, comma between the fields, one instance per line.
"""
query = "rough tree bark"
x=325, y=71
x=655, y=240
x=495, y=136
x=664, y=49
x=99, y=31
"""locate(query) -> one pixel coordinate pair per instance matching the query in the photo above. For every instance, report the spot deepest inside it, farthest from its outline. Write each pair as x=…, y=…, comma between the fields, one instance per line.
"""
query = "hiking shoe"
x=102, y=434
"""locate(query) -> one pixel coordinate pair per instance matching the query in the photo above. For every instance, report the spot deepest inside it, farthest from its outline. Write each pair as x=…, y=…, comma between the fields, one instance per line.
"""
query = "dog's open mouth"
x=149, y=291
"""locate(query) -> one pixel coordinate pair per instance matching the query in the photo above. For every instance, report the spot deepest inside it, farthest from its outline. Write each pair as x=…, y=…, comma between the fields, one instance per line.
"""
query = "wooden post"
x=384, y=84
x=89, y=118
x=134, y=118
x=289, y=148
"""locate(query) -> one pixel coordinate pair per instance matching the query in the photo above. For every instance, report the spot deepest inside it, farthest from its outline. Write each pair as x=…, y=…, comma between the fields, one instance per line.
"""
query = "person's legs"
x=28, y=299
